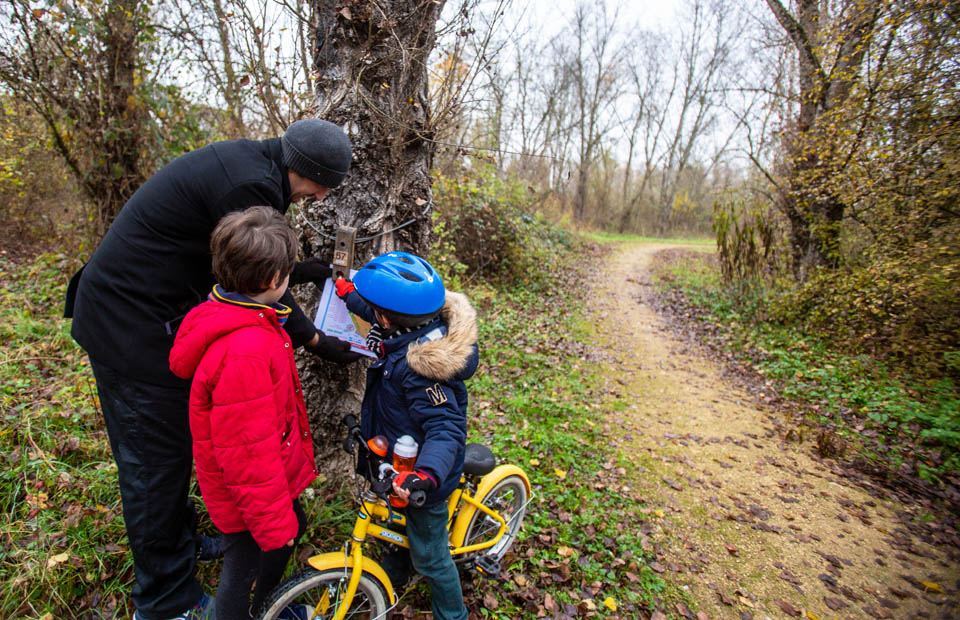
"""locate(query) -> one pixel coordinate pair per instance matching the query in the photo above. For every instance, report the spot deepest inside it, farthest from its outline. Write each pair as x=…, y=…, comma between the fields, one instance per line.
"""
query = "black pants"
x=243, y=563
x=149, y=432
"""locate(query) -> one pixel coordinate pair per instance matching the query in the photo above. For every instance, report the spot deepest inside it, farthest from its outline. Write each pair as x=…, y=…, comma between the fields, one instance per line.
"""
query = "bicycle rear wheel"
x=323, y=591
x=509, y=498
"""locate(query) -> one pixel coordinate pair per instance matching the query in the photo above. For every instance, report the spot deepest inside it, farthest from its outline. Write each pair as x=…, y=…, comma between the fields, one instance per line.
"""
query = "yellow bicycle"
x=486, y=512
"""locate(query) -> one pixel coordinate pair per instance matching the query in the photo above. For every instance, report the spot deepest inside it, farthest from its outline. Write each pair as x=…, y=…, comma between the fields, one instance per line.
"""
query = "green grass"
x=63, y=543
x=708, y=243
x=849, y=393
x=64, y=553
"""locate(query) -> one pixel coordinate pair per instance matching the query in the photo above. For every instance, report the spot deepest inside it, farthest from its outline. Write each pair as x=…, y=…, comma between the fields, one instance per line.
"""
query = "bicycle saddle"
x=478, y=460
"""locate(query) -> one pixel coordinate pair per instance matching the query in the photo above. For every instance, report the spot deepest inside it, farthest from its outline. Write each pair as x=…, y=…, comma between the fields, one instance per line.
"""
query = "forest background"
x=816, y=141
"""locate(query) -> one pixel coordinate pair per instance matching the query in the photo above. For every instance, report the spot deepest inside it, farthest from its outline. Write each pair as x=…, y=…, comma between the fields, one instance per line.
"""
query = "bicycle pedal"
x=487, y=566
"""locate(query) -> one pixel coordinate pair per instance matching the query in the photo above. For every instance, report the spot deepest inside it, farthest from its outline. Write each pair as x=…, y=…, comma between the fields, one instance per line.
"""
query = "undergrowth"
x=894, y=418
x=64, y=551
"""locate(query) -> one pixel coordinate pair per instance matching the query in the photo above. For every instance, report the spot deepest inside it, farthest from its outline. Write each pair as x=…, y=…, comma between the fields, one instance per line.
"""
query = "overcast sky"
x=551, y=15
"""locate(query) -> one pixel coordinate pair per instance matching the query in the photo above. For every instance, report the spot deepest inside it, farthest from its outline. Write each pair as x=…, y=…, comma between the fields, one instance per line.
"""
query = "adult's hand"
x=333, y=349
x=311, y=270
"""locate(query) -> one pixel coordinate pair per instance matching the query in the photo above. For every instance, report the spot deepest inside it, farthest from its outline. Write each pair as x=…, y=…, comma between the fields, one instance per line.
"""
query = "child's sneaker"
x=296, y=612
x=205, y=609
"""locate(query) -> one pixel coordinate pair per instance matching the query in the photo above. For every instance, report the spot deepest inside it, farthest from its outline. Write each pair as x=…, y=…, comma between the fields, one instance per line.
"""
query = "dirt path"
x=752, y=526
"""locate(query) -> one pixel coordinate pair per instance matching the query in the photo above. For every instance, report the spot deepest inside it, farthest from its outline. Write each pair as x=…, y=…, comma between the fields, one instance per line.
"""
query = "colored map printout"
x=335, y=320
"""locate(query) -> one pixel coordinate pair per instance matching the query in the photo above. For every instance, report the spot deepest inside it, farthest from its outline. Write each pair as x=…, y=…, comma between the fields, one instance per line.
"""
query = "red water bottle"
x=404, y=458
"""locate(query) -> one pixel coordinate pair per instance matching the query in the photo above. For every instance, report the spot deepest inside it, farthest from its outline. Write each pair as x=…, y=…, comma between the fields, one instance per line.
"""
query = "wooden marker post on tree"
x=343, y=252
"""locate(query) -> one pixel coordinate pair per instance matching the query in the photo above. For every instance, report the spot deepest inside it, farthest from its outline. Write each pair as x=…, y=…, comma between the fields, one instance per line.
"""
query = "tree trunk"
x=371, y=79
x=815, y=216
x=121, y=171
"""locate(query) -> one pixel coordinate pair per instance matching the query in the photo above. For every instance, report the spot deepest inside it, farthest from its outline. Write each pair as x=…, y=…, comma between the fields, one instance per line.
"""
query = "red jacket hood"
x=207, y=323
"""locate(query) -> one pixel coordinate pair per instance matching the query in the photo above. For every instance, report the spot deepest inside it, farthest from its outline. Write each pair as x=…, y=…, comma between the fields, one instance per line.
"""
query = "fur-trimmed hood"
x=449, y=357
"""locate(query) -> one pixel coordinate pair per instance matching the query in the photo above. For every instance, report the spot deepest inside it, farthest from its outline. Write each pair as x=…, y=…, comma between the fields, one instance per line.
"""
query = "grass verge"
x=703, y=243
x=582, y=550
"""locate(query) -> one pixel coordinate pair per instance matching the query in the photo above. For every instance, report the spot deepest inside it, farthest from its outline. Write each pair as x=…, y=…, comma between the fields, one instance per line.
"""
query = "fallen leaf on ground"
x=929, y=585
x=787, y=608
x=834, y=603
x=901, y=593
x=548, y=603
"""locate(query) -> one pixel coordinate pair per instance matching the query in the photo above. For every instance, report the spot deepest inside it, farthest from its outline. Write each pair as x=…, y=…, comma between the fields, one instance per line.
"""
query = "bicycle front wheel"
x=319, y=594
x=509, y=498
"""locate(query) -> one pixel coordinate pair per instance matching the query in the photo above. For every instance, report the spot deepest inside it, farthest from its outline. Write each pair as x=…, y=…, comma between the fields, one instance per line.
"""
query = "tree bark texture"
x=371, y=79
x=815, y=216
x=122, y=171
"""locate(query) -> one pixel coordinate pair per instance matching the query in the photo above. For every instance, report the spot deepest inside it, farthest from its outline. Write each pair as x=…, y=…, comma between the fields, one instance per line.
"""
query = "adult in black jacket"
x=150, y=269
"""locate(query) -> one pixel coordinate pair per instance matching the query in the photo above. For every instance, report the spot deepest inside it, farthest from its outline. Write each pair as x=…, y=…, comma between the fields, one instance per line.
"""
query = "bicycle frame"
x=366, y=527
x=461, y=504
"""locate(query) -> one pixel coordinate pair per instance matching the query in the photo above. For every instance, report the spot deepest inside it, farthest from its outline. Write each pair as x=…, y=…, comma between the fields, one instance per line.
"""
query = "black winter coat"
x=154, y=264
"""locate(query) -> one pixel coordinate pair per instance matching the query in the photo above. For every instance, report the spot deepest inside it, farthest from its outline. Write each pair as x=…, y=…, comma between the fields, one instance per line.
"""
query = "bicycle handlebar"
x=353, y=437
x=384, y=487
x=417, y=498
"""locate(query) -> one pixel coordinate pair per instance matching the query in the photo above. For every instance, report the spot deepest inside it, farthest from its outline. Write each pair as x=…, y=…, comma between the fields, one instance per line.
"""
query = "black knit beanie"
x=318, y=150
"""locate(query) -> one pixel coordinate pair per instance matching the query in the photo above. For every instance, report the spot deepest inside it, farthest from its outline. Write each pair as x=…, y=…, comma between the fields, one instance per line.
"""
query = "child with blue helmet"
x=426, y=341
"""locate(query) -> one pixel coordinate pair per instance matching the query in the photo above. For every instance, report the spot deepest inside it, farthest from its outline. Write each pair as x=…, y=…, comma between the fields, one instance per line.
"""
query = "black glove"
x=333, y=349
x=311, y=270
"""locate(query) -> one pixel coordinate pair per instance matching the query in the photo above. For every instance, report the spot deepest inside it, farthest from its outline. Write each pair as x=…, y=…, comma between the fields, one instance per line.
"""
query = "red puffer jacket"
x=251, y=439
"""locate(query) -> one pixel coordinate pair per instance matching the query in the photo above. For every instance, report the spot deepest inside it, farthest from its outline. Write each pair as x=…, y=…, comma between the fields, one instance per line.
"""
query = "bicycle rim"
x=323, y=592
x=509, y=498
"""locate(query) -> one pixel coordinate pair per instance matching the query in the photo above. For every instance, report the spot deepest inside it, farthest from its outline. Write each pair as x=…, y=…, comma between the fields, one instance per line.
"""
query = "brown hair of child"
x=249, y=247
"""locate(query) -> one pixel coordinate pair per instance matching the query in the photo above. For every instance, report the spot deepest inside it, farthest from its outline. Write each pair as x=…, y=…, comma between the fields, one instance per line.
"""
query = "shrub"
x=484, y=228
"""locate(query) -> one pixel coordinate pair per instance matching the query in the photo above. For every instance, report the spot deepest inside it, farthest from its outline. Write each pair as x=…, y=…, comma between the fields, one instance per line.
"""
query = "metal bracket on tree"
x=343, y=252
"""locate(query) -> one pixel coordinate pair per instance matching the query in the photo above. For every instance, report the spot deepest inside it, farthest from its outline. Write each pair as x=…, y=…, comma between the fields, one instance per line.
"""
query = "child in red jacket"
x=251, y=440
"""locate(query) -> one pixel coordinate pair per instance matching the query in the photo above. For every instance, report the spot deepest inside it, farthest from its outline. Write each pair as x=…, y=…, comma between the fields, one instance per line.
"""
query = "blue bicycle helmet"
x=402, y=283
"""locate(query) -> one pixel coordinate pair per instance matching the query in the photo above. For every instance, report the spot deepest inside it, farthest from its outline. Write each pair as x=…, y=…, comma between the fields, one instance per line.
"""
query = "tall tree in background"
x=677, y=86
x=97, y=74
x=593, y=64
x=78, y=66
x=371, y=78
x=831, y=42
x=254, y=59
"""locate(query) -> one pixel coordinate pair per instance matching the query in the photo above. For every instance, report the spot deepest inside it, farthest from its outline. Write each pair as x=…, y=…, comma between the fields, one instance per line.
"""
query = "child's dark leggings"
x=244, y=563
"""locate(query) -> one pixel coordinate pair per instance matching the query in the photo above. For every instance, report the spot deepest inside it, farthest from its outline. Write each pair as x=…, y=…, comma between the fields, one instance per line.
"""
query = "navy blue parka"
x=418, y=389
